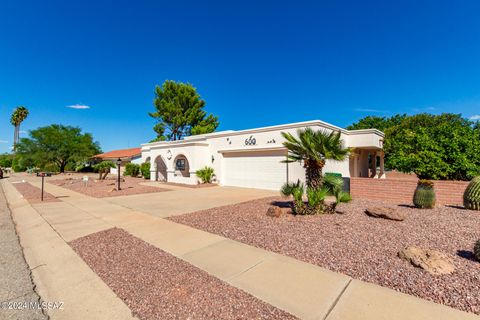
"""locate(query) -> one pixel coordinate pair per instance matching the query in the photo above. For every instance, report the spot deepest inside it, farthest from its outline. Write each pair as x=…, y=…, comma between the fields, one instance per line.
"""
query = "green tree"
x=314, y=148
x=379, y=123
x=6, y=160
x=18, y=116
x=103, y=168
x=435, y=147
x=56, y=145
x=179, y=112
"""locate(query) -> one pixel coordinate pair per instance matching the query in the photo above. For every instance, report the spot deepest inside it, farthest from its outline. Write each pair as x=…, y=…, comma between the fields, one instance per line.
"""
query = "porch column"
x=381, y=175
x=153, y=171
x=373, y=164
x=355, y=159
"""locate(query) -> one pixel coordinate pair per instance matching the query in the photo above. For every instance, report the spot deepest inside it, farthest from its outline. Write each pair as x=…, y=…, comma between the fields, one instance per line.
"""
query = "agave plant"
x=314, y=148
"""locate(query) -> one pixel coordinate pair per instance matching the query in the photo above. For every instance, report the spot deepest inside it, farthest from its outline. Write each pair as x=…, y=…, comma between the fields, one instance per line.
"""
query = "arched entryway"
x=181, y=165
x=161, y=169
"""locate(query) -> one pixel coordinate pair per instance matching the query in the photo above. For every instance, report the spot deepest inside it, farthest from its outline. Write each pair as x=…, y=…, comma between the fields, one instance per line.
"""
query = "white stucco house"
x=253, y=158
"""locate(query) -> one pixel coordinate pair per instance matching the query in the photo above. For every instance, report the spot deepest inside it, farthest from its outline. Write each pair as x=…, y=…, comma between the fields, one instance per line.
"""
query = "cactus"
x=476, y=250
x=424, y=196
x=471, y=197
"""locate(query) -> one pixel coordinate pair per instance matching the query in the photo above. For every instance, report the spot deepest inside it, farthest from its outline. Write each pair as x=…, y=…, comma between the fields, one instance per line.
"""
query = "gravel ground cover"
x=33, y=194
x=157, y=285
x=106, y=188
x=362, y=247
x=16, y=285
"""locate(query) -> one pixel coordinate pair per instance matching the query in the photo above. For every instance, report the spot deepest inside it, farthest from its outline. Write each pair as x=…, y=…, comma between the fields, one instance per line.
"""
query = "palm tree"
x=18, y=116
x=314, y=148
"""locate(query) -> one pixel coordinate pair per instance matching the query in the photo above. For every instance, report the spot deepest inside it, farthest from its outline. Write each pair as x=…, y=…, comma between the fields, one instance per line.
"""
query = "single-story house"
x=133, y=155
x=253, y=158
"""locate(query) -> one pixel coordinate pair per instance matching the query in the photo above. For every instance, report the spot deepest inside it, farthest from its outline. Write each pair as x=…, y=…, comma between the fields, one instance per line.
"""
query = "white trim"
x=253, y=149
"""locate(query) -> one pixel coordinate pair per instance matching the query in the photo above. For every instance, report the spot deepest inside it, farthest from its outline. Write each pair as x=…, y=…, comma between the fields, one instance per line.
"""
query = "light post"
x=119, y=162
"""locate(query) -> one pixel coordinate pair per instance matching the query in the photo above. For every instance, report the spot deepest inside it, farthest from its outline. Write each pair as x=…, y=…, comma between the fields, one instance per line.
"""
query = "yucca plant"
x=314, y=148
x=206, y=174
x=471, y=196
x=424, y=196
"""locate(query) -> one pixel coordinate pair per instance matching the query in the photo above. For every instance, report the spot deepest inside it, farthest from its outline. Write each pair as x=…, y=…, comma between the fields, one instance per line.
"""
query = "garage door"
x=261, y=169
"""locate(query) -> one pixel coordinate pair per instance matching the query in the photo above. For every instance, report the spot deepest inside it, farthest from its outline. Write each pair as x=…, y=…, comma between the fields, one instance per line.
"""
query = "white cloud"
x=3, y=141
x=78, y=106
x=475, y=117
x=22, y=131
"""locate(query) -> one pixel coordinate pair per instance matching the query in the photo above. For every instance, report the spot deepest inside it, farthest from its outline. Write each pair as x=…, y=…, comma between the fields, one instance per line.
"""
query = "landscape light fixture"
x=119, y=162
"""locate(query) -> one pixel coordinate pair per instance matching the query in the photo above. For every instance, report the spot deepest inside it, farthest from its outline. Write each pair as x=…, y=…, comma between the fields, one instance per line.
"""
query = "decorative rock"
x=432, y=261
x=385, y=213
x=274, y=212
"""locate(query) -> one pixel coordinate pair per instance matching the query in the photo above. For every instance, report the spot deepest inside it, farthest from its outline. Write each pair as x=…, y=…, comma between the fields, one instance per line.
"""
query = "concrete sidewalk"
x=16, y=285
x=304, y=290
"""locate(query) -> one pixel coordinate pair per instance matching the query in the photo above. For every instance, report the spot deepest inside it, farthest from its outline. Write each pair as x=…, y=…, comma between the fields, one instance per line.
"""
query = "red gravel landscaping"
x=157, y=285
x=106, y=188
x=362, y=247
x=33, y=194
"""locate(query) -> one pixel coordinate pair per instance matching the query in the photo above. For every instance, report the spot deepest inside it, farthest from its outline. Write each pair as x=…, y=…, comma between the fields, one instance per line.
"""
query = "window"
x=180, y=164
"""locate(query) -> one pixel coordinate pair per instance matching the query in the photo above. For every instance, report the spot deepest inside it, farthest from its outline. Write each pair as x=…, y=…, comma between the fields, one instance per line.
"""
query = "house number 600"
x=251, y=141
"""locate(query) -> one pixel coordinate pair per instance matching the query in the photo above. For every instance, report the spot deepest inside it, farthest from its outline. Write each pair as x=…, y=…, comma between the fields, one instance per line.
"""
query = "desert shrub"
x=145, y=170
x=476, y=250
x=103, y=168
x=332, y=186
x=294, y=189
x=6, y=160
x=84, y=168
x=471, y=196
x=424, y=196
x=206, y=174
x=132, y=169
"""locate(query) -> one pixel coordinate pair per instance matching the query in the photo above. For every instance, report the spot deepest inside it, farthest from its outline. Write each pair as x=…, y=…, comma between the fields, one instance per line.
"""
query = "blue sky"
x=256, y=63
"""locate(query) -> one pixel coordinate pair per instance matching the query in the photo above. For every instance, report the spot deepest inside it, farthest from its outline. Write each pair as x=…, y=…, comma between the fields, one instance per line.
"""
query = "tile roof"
x=122, y=153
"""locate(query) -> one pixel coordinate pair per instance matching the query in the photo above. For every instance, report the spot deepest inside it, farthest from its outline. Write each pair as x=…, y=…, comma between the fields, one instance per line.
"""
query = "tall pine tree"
x=179, y=112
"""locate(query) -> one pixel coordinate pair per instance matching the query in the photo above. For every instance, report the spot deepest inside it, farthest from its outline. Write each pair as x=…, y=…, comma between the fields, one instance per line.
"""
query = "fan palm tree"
x=314, y=148
x=18, y=116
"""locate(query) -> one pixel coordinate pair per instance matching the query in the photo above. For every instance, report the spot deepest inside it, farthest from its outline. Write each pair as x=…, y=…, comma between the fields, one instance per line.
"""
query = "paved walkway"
x=16, y=286
x=304, y=290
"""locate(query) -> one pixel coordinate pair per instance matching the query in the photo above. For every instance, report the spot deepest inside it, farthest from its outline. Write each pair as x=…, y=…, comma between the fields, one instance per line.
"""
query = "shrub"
x=131, y=169
x=424, y=196
x=296, y=191
x=103, y=168
x=476, y=250
x=145, y=170
x=332, y=185
x=6, y=160
x=206, y=174
x=84, y=168
x=471, y=197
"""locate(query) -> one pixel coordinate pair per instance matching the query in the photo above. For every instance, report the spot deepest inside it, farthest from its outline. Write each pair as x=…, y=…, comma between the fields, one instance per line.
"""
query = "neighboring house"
x=133, y=155
x=254, y=158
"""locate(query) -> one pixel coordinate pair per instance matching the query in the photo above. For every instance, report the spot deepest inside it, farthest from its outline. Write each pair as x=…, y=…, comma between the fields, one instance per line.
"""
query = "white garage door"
x=261, y=170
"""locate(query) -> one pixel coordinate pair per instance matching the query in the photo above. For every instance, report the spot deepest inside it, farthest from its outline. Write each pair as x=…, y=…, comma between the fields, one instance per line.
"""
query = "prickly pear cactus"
x=471, y=197
x=424, y=196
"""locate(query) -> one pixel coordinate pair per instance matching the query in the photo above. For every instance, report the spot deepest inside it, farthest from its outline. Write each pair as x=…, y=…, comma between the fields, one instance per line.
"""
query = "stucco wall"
x=210, y=150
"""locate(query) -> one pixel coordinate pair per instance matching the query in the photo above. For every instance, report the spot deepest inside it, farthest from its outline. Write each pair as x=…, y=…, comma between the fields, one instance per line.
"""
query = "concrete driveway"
x=182, y=200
